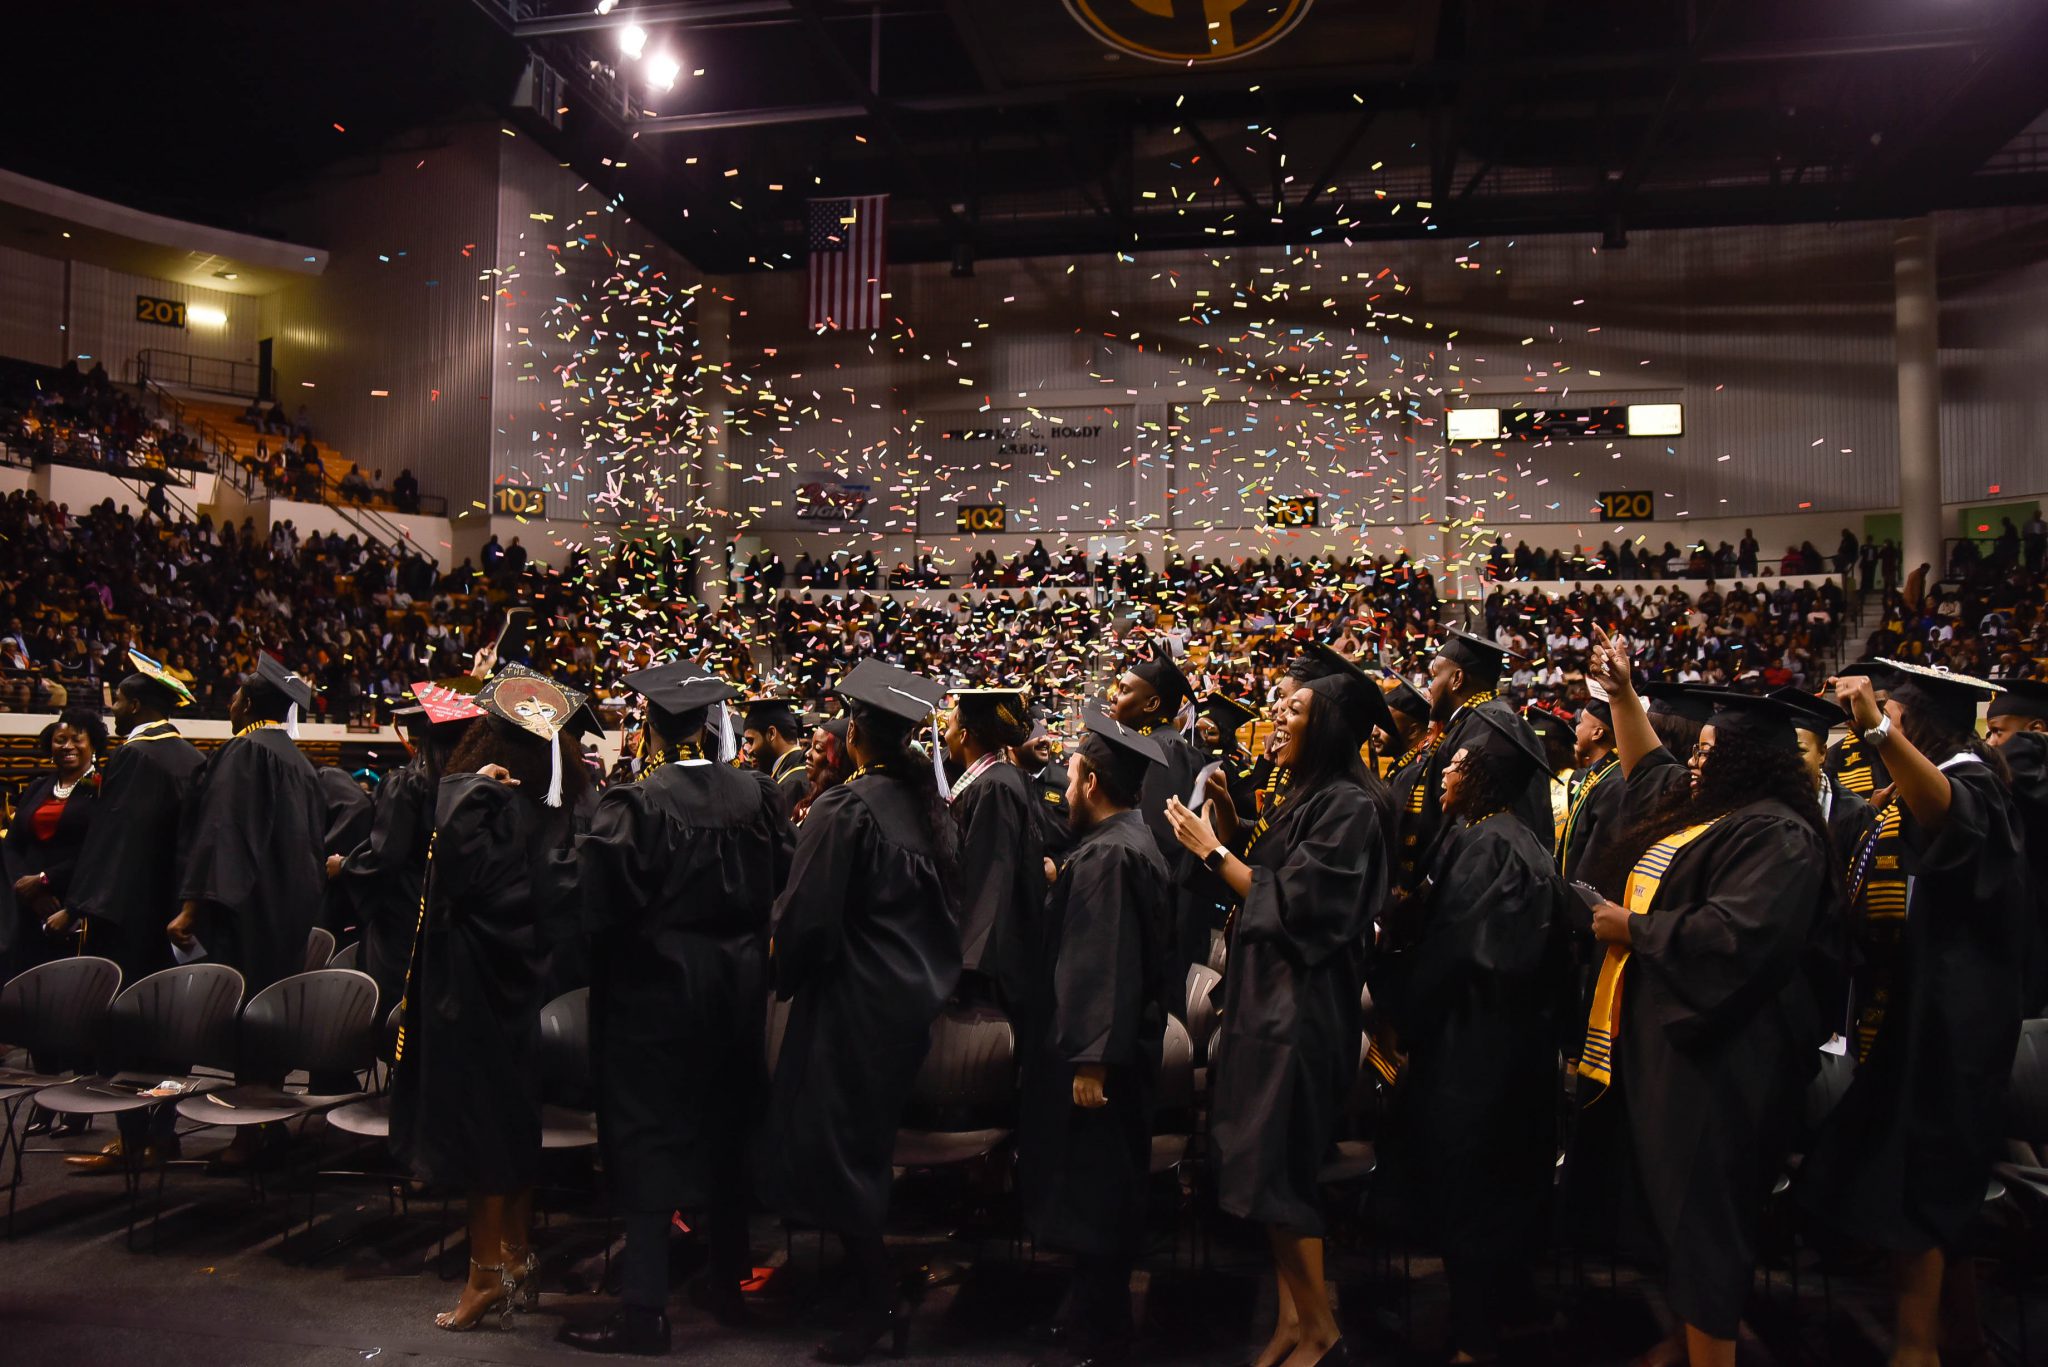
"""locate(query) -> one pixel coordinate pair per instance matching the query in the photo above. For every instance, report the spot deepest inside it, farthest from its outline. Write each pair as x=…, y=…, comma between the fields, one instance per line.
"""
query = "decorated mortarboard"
x=154, y=671
x=1229, y=714
x=1353, y=691
x=1811, y=713
x=1758, y=717
x=445, y=705
x=680, y=687
x=538, y=706
x=1479, y=655
x=1955, y=695
x=1164, y=677
x=1677, y=700
x=1403, y=696
x=1501, y=738
x=886, y=688
x=2021, y=698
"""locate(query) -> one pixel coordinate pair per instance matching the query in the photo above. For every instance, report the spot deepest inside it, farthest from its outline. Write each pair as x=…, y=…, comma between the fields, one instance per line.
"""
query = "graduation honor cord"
x=1597, y=775
x=975, y=771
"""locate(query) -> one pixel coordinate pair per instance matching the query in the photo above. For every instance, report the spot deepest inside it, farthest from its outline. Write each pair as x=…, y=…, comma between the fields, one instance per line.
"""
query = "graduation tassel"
x=727, y=746
x=554, y=797
x=291, y=721
x=1187, y=719
x=939, y=761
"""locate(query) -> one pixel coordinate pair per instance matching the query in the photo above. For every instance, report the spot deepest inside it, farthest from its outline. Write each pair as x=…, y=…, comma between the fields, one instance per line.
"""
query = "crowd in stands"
x=1870, y=560
x=74, y=417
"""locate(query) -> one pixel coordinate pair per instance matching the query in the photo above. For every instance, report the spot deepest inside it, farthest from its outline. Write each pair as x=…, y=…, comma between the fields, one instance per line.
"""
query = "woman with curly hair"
x=826, y=764
x=43, y=843
x=1902, y=1162
x=1702, y=1018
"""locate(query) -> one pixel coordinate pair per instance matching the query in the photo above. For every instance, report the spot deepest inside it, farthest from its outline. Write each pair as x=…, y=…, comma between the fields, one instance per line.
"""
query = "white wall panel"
x=104, y=324
x=31, y=307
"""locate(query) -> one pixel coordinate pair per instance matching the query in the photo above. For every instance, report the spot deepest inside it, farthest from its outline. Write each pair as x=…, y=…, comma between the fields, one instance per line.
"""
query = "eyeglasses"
x=1700, y=752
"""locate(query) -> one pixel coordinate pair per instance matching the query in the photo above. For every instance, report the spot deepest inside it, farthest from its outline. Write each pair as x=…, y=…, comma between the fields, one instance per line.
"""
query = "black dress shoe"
x=628, y=1330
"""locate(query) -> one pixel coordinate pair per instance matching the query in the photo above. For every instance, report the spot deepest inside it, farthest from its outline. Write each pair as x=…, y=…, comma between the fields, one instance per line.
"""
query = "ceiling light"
x=606, y=6
x=227, y=275
x=662, y=70
x=633, y=40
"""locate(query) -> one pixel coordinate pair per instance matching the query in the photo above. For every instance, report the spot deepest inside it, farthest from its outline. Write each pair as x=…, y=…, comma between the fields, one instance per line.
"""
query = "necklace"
x=63, y=790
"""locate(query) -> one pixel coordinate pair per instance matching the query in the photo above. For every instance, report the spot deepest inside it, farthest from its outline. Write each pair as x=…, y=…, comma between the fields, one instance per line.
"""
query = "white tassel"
x=291, y=721
x=554, y=797
x=1187, y=718
x=939, y=761
x=728, y=748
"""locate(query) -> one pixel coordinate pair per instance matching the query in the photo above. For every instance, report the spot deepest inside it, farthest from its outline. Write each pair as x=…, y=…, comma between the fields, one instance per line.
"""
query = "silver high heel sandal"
x=502, y=1303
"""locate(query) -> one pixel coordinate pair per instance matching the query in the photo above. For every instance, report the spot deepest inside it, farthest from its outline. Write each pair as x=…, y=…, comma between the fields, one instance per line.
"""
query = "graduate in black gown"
x=1703, y=1031
x=1902, y=1161
x=126, y=884
x=125, y=888
x=676, y=878
x=2016, y=723
x=1109, y=979
x=56, y=812
x=383, y=874
x=865, y=946
x=252, y=882
x=1852, y=831
x=350, y=813
x=1408, y=740
x=1593, y=797
x=1152, y=696
x=465, y=1091
x=1852, y=763
x=1476, y=988
x=1047, y=777
x=1464, y=676
x=1003, y=905
x=1219, y=723
x=774, y=741
x=826, y=763
x=1310, y=886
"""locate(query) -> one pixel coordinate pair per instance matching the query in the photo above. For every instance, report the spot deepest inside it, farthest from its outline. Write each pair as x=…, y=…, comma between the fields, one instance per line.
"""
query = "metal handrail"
x=206, y=373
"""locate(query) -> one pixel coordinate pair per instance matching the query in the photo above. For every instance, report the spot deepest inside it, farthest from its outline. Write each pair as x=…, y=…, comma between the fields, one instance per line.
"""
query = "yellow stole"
x=419, y=927
x=1604, y=1020
x=1593, y=780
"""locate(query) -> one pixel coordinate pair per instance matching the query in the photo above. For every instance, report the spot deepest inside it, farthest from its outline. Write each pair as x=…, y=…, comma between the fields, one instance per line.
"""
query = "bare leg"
x=1670, y=1353
x=516, y=1232
x=1918, y=1329
x=486, y=1285
x=1287, y=1323
x=1704, y=1350
x=1301, y=1263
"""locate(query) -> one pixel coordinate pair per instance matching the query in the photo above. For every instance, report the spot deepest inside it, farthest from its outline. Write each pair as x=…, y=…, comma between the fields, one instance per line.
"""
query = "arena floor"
x=228, y=1286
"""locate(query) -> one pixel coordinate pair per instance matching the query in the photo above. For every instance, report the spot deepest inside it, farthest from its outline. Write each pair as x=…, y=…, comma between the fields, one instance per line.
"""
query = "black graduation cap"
x=1356, y=694
x=1758, y=717
x=886, y=688
x=1124, y=751
x=1228, y=713
x=1514, y=745
x=2022, y=698
x=1403, y=696
x=679, y=687
x=411, y=720
x=1307, y=667
x=1478, y=656
x=1598, y=705
x=1163, y=676
x=777, y=712
x=1005, y=706
x=1810, y=713
x=1679, y=700
x=295, y=689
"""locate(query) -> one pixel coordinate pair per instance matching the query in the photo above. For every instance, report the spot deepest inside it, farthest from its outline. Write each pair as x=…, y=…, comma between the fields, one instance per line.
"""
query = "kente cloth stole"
x=1593, y=780
x=1604, y=1020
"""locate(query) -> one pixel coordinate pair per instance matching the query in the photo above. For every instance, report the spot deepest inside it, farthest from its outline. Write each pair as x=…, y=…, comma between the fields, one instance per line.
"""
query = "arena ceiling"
x=1028, y=127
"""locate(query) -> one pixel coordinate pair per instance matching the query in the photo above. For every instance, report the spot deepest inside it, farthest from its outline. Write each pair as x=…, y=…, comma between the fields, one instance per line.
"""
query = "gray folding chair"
x=348, y=956
x=568, y=1114
x=968, y=1079
x=319, y=947
x=1173, y=1103
x=162, y=1028
x=46, y=1010
x=320, y=1022
x=1201, y=1019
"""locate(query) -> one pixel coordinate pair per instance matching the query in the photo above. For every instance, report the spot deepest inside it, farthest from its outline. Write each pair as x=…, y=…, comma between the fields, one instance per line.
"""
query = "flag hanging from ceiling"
x=847, y=263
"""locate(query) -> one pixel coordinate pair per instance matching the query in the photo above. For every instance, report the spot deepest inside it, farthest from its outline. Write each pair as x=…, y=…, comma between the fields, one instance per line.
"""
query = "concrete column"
x=1916, y=312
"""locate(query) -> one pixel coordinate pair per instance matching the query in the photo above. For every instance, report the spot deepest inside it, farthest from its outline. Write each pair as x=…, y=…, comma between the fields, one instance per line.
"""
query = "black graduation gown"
x=1287, y=1054
x=254, y=859
x=1407, y=781
x=1902, y=1161
x=383, y=874
x=1049, y=789
x=1593, y=808
x=866, y=948
x=1531, y=806
x=1193, y=886
x=466, y=1092
x=678, y=874
x=1477, y=1000
x=350, y=814
x=22, y=942
x=1719, y=1034
x=2026, y=754
x=792, y=779
x=1109, y=977
x=126, y=883
x=1002, y=902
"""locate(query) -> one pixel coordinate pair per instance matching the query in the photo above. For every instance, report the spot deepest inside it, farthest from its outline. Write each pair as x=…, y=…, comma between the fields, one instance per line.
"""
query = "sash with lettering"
x=1603, y=1022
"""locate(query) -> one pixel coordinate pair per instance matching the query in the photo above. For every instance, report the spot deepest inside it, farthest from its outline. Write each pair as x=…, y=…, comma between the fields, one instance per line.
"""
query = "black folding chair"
x=319, y=947
x=46, y=1010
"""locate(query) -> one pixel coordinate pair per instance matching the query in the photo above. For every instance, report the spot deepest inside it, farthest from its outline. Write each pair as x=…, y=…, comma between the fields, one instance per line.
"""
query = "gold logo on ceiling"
x=1184, y=31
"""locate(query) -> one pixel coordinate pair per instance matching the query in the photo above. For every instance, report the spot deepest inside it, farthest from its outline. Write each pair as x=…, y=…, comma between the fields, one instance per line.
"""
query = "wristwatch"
x=1216, y=857
x=1876, y=735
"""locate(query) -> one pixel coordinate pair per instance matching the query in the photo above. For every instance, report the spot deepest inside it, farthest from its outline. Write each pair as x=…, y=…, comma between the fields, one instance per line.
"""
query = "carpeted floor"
x=230, y=1284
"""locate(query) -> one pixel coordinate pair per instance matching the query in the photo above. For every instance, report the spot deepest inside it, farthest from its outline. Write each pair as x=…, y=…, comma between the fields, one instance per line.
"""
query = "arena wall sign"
x=1185, y=31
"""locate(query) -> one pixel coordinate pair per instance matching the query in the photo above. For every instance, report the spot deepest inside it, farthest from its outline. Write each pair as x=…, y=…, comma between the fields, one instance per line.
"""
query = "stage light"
x=633, y=40
x=606, y=6
x=1656, y=420
x=662, y=70
x=205, y=315
x=1472, y=424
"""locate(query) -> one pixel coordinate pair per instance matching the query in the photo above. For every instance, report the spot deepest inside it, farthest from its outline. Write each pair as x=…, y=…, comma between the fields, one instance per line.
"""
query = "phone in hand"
x=1589, y=894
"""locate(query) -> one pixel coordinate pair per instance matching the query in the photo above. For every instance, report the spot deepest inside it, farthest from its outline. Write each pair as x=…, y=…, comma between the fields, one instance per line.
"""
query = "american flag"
x=847, y=261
